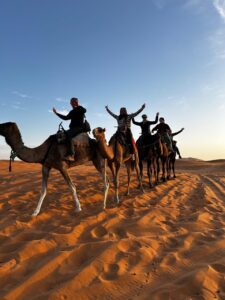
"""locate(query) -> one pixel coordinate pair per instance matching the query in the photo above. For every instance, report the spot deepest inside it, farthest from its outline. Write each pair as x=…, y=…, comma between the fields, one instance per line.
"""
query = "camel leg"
x=45, y=175
x=163, y=169
x=155, y=171
x=158, y=170
x=128, y=166
x=98, y=166
x=173, y=167
x=139, y=176
x=141, y=167
x=72, y=187
x=149, y=171
x=168, y=167
x=116, y=183
x=115, y=180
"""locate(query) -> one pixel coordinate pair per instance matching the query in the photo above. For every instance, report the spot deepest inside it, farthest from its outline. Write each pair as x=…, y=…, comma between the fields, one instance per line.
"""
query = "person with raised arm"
x=76, y=117
x=124, y=124
x=146, y=135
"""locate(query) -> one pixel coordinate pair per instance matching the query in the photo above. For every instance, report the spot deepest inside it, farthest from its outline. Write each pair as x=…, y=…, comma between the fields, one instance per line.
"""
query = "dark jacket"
x=76, y=116
x=145, y=126
x=162, y=128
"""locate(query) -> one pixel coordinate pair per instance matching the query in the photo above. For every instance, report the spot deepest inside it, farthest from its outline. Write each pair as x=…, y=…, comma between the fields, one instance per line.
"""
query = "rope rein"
x=12, y=157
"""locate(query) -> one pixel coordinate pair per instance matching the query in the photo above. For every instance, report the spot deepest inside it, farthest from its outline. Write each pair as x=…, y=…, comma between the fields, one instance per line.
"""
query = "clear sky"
x=169, y=54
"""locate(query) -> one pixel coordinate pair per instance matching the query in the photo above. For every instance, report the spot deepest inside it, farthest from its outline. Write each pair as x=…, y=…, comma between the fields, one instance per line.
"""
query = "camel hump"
x=81, y=140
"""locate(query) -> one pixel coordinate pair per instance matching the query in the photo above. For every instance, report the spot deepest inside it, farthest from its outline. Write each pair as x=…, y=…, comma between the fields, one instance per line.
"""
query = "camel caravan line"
x=52, y=154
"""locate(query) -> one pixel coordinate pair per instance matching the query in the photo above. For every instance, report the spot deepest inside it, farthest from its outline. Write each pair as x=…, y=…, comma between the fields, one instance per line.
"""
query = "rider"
x=174, y=143
x=76, y=115
x=145, y=128
x=124, y=124
x=163, y=130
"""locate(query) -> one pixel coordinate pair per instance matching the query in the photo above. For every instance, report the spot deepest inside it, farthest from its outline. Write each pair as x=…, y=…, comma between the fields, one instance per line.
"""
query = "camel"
x=167, y=161
x=171, y=165
x=50, y=154
x=149, y=151
x=115, y=153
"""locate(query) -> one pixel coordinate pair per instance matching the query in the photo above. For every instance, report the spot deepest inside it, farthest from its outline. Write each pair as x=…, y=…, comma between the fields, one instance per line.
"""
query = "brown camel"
x=51, y=155
x=116, y=154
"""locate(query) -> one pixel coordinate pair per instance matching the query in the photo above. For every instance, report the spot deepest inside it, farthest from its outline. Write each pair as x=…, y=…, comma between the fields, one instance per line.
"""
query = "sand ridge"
x=168, y=243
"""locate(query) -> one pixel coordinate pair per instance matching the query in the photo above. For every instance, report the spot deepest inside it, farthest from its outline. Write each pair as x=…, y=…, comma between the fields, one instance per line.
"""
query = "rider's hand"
x=157, y=114
x=106, y=107
x=143, y=106
x=54, y=110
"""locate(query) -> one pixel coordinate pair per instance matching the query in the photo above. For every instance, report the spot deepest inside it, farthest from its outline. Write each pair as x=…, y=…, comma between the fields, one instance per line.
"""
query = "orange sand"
x=168, y=243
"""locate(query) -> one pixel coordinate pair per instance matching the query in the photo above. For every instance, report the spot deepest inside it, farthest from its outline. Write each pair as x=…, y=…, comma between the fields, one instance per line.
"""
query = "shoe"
x=180, y=157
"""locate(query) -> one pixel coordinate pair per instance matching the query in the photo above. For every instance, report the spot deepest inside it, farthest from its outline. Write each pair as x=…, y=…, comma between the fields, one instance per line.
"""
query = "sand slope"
x=168, y=243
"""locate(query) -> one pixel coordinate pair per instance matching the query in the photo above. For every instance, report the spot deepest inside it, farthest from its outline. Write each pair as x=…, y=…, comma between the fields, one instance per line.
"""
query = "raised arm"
x=156, y=119
x=175, y=133
x=111, y=113
x=155, y=128
x=136, y=123
x=67, y=117
x=138, y=112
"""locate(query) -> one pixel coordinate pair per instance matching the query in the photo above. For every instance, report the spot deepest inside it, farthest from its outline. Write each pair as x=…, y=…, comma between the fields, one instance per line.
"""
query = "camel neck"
x=106, y=150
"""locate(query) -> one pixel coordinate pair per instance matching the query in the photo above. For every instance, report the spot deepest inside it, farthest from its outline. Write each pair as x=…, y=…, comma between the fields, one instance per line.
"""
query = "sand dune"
x=168, y=243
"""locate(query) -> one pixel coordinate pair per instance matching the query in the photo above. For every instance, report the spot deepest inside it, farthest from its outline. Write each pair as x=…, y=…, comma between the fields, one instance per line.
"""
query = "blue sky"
x=169, y=54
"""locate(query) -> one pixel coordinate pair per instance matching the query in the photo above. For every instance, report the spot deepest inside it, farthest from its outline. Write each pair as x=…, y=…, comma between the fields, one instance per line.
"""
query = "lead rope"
x=11, y=159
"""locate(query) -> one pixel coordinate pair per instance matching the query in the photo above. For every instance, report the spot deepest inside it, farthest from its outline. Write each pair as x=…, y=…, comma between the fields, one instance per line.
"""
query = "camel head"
x=99, y=133
x=7, y=128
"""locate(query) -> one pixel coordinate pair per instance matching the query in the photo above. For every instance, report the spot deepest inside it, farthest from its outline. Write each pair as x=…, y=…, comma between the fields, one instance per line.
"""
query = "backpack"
x=86, y=126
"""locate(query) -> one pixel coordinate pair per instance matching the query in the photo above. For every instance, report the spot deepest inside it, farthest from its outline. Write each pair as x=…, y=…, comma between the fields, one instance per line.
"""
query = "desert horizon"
x=167, y=243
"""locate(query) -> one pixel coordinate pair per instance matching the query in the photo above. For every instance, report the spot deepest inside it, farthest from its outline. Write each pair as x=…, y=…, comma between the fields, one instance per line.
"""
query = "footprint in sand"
x=99, y=232
x=128, y=245
x=118, y=233
x=110, y=272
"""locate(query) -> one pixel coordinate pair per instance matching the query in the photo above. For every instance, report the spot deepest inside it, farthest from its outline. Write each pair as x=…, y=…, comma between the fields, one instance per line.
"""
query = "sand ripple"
x=166, y=244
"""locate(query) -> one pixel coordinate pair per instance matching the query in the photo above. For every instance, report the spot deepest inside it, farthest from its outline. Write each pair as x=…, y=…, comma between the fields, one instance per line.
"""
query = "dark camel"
x=149, y=149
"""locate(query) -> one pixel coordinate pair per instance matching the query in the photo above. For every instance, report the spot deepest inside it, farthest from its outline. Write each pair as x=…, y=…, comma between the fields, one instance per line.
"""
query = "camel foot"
x=117, y=201
x=35, y=213
x=78, y=209
x=142, y=189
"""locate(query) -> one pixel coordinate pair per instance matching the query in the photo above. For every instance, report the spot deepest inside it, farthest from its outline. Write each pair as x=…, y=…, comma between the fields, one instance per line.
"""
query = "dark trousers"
x=72, y=132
